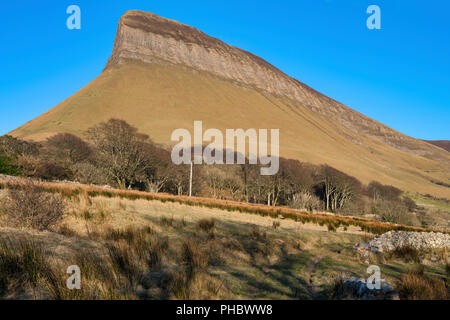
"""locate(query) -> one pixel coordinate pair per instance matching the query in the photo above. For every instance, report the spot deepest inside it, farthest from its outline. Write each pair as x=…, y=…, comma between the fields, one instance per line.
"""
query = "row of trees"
x=115, y=153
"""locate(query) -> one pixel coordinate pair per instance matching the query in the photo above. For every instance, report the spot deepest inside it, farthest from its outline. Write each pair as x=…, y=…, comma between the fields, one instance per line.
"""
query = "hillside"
x=163, y=75
x=444, y=144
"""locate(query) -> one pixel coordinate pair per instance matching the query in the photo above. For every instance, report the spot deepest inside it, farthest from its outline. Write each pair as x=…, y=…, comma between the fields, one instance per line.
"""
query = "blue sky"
x=399, y=75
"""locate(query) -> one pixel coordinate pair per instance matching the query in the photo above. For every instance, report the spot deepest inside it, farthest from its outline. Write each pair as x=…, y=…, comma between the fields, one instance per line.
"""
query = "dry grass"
x=132, y=255
x=208, y=226
x=333, y=222
x=416, y=285
x=276, y=224
x=406, y=253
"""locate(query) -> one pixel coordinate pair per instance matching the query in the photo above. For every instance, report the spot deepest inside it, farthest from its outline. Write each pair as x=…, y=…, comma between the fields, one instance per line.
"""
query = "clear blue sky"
x=399, y=75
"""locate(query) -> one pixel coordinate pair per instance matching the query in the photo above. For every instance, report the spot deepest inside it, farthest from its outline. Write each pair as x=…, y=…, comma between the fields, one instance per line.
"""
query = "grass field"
x=148, y=249
x=331, y=221
x=435, y=204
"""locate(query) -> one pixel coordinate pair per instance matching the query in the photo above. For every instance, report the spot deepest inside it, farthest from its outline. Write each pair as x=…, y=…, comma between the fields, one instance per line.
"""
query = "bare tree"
x=338, y=188
x=120, y=151
x=158, y=167
x=378, y=191
x=14, y=147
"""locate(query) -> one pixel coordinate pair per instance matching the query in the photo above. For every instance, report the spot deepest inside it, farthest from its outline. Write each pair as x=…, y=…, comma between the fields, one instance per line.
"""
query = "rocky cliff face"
x=149, y=38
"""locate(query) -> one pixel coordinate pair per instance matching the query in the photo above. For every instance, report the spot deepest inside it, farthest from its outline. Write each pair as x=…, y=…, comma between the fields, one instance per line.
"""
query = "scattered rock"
x=357, y=288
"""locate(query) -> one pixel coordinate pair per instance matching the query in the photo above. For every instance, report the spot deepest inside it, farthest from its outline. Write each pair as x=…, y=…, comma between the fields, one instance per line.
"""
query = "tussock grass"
x=194, y=262
x=167, y=222
x=337, y=290
x=124, y=262
x=257, y=233
x=416, y=285
x=156, y=251
x=66, y=231
x=208, y=226
x=194, y=257
x=22, y=262
x=25, y=266
x=407, y=253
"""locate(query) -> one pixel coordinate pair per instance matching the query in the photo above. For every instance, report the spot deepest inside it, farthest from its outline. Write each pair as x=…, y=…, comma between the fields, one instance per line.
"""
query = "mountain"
x=444, y=144
x=163, y=75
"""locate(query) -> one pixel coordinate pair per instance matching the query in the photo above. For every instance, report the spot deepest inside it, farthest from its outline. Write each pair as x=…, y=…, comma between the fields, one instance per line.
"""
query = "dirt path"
x=310, y=270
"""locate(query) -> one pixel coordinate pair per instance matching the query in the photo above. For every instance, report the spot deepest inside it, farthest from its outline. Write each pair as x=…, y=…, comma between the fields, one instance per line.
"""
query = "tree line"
x=117, y=154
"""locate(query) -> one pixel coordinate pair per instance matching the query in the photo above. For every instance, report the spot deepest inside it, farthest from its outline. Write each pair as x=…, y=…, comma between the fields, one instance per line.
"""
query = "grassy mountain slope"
x=159, y=98
x=444, y=144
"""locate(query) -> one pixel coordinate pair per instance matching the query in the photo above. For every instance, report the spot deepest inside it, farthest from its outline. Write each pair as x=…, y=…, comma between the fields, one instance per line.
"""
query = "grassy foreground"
x=133, y=247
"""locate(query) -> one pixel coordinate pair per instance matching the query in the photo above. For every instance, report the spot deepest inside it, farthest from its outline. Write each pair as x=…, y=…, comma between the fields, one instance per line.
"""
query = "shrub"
x=50, y=171
x=6, y=167
x=338, y=291
x=394, y=212
x=376, y=191
x=67, y=147
x=12, y=147
x=28, y=165
x=85, y=172
x=30, y=207
x=409, y=204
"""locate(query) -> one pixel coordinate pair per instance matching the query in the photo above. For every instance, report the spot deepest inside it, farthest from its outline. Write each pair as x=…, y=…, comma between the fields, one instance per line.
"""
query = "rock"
x=364, y=245
x=392, y=240
x=357, y=288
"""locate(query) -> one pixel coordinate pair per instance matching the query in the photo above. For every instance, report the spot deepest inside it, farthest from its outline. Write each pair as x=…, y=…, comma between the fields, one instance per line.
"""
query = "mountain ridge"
x=149, y=38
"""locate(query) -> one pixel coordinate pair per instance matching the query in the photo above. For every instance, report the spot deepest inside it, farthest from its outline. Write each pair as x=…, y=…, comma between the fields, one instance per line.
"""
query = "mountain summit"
x=149, y=38
x=163, y=75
